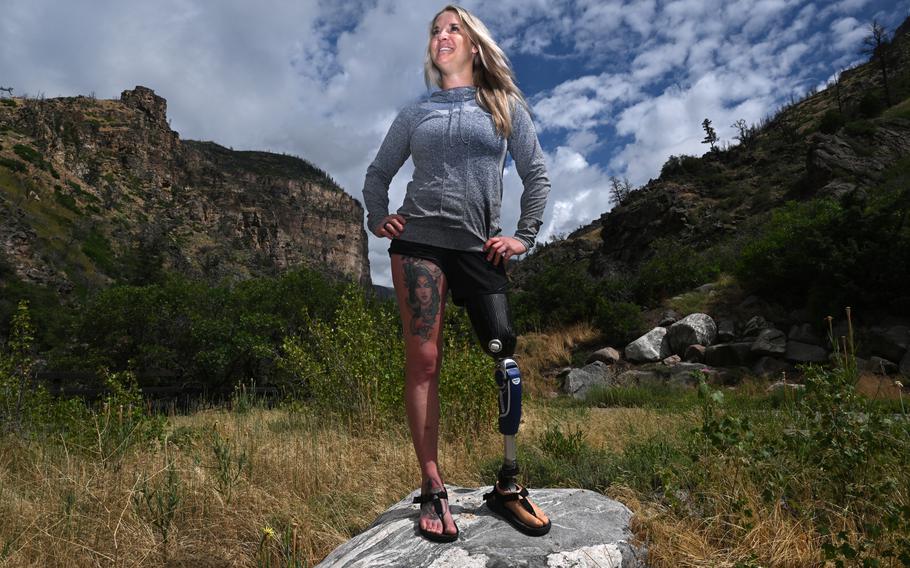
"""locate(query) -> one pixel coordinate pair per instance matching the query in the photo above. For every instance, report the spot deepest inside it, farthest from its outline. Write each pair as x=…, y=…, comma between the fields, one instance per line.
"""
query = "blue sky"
x=616, y=86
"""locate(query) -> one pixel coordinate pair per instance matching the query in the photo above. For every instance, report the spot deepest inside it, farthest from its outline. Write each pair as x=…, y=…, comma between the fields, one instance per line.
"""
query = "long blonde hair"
x=493, y=76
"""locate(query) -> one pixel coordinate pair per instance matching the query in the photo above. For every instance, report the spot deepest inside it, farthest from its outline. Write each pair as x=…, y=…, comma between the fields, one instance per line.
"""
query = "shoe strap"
x=428, y=497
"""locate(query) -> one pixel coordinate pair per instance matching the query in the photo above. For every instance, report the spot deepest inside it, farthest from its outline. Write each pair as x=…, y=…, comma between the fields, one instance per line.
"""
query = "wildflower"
x=268, y=532
x=899, y=384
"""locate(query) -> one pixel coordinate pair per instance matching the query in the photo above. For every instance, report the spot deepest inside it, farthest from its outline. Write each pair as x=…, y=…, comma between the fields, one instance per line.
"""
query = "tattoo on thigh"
x=422, y=279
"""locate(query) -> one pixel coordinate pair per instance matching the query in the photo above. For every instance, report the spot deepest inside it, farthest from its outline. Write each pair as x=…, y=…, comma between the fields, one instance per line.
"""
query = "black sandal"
x=496, y=502
x=436, y=499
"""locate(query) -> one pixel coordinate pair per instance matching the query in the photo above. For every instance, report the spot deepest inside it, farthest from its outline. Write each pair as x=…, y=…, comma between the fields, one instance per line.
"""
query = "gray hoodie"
x=455, y=197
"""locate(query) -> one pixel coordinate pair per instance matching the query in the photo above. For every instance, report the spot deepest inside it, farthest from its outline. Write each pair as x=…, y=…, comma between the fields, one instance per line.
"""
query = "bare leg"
x=421, y=290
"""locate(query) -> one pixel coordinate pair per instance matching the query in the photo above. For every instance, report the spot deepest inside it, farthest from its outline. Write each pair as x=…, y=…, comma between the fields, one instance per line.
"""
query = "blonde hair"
x=493, y=76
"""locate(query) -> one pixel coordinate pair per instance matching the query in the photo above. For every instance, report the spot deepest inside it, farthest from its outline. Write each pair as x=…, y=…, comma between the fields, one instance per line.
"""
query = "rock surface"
x=579, y=382
x=607, y=355
x=804, y=353
x=588, y=530
x=650, y=347
x=694, y=329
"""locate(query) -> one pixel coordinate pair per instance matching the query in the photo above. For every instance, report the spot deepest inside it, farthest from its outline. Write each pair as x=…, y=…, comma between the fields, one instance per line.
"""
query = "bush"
x=826, y=253
x=353, y=367
x=682, y=165
x=14, y=165
x=870, y=106
x=555, y=295
x=831, y=122
x=183, y=329
x=28, y=154
x=671, y=268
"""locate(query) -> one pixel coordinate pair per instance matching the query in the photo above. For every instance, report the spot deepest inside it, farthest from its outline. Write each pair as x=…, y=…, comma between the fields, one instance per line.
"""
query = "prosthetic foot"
x=492, y=322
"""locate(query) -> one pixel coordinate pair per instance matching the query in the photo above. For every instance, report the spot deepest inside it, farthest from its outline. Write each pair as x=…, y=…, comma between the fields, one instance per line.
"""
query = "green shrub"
x=98, y=248
x=555, y=295
x=8, y=102
x=28, y=154
x=14, y=165
x=831, y=122
x=671, y=268
x=863, y=128
x=353, y=367
x=826, y=253
x=66, y=200
x=682, y=165
x=870, y=106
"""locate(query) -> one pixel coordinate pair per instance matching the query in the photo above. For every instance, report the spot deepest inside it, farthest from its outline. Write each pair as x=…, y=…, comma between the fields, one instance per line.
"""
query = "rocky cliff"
x=98, y=190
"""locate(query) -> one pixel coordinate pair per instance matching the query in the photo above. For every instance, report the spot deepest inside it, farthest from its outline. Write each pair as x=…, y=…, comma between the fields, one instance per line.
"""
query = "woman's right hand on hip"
x=392, y=226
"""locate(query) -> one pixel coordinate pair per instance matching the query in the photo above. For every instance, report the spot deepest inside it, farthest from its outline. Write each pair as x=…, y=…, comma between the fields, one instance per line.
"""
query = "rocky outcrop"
x=589, y=530
x=112, y=172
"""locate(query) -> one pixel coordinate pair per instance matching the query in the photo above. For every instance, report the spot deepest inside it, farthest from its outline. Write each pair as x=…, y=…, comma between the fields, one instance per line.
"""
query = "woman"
x=446, y=234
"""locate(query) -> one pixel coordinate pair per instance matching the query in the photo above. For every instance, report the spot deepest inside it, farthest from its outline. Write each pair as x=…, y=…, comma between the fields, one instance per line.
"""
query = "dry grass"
x=313, y=479
x=540, y=354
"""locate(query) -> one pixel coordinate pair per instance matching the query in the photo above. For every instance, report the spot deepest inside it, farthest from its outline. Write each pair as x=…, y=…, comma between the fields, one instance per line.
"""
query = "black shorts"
x=468, y=273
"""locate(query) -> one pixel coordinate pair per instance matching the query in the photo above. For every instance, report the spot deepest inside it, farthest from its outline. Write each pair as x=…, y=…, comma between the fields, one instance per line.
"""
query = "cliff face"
x=92, y=190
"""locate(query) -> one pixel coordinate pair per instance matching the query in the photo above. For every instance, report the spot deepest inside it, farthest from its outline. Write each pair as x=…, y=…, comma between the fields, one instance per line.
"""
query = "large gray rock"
x=771, y=342
x=755, y=325
x=729, y=354
x=588, y=530
x=726, y=331
x=881, y=366
x=798, y=352
x=650, y=347
x=694, y=329
x=806, y=333
x=608, y=355
x=891, y=343
x=579, y=382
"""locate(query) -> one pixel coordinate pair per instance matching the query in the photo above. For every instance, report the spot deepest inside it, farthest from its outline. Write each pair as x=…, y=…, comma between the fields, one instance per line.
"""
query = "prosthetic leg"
x=492, y=322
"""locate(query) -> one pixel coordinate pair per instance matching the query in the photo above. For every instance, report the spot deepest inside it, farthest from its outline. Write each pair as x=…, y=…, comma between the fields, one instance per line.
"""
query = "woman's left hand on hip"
x=503, y=248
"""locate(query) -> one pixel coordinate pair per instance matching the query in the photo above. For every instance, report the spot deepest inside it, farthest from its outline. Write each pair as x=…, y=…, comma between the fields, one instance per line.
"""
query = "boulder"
x=726, y=331
x=694, y=354
x=588, y=530
x=607, y=355
x=728, y=354
x=650, y=347
x=771, y=342
x=672, y=360
x=890, y=343
x=806, y=333
x=755, y=325
x=771, y=367
x=579, y=382
x=882, y=366
x=798, y=352
x=668, y=318
x=694, y=329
